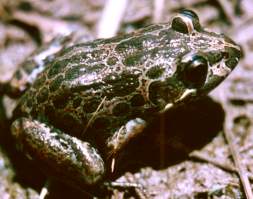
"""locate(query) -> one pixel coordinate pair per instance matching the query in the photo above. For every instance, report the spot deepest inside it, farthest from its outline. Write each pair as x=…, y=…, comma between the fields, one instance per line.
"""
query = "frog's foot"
x=60, y=155
x=125, y=133
x=29, y=70
x=122, y=185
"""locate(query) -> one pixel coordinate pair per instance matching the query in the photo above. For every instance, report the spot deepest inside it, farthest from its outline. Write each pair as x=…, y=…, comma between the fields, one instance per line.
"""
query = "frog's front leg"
x=122, y=137
x=60, y=155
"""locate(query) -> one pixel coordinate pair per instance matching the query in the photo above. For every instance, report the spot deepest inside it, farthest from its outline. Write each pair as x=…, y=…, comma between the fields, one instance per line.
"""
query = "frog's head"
x=203, y=61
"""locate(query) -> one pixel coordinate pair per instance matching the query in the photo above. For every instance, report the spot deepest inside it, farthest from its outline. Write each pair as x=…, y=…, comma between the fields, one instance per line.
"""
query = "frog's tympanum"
x=90, y=99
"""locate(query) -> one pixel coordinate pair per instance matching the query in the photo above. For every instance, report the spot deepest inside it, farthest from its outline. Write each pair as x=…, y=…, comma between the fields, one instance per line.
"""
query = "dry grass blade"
x=202, y=157
x=111, y=18
x=236, y=157
x=93, y=116
x=158, y=11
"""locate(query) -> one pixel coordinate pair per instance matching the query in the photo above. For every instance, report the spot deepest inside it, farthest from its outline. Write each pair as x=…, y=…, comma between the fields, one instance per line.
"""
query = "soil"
x=187, y=152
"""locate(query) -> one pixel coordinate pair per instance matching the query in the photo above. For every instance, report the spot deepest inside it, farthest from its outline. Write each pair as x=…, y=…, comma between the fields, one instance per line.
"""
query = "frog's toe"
x=67, y=158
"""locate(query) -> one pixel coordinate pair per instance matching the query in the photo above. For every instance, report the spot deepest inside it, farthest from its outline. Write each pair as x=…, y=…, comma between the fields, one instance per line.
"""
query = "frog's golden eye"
x=195, y=72
x=185, y=22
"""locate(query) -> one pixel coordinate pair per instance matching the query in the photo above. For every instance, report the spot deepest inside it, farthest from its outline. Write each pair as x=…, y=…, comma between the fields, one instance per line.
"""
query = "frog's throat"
x=185, y=94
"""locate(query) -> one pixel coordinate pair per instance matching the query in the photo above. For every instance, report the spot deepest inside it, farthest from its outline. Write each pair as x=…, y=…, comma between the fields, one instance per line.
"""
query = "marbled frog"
x=90, y=99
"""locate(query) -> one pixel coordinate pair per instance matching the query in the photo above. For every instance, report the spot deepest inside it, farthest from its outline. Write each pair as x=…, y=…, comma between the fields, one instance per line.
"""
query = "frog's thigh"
x=125, y=133
x=63, y=155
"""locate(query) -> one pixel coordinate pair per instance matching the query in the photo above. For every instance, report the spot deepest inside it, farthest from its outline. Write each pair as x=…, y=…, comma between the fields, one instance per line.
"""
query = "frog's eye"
x=185, y=22
x=195, y=71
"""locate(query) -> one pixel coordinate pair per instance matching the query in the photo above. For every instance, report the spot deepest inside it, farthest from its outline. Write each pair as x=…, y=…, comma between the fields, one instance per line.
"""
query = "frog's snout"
x=233, y=53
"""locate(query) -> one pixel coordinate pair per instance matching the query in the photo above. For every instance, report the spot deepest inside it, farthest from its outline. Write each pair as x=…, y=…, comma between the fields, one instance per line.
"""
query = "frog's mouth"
x=189, y=92
x=219, y=71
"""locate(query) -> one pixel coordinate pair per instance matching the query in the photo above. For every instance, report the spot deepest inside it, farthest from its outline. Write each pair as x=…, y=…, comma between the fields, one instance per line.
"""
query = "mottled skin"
x=104, y=92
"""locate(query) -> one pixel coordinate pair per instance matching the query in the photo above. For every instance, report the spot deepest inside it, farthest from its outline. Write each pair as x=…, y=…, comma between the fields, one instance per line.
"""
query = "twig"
x=246, y=148
x=200, y=156
x=158, y=10
x=236, y=157
x=139, y=191
x=93, y=116
x=111, y=18
x=203, y=157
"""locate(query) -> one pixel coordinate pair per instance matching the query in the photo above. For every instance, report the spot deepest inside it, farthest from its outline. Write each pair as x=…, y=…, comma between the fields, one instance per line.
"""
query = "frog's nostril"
x=232, y=53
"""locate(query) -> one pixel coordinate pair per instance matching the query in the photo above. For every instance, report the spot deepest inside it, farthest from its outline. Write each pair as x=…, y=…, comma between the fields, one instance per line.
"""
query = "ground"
x=186, y=153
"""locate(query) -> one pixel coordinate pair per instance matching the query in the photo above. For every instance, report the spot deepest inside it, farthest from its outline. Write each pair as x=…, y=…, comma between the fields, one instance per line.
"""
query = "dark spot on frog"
x=56, y=83
x=42, y=95
x=61, y=101
x=137, y=100
x=76, y=102
x=77, y=58
x=214, y=57
x=117, y=68
x=40, y=81
x=155, y=72
x=122, y=84
x=91, y=105
x=231, y=62
x=112, y=61
x=74, y=72
x=134, y=59
x=161, y=92
x=121, y=109
x=56, y=68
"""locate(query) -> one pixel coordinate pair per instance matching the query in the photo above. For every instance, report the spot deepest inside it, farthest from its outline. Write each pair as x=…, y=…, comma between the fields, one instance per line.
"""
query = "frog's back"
x=80, y=77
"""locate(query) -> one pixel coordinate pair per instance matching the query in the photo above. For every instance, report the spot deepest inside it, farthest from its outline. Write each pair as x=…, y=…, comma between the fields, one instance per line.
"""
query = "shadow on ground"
x=171, y=137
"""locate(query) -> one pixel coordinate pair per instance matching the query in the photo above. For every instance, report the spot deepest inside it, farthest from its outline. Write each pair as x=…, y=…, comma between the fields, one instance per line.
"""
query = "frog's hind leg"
x=28, y=71
x=62, y=156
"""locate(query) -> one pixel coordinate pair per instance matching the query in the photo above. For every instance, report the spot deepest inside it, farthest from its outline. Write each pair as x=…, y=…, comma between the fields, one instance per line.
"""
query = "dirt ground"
x=196, y=151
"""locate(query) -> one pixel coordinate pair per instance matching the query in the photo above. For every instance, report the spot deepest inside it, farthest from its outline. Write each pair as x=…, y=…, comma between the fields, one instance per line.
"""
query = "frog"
x=82, y=107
